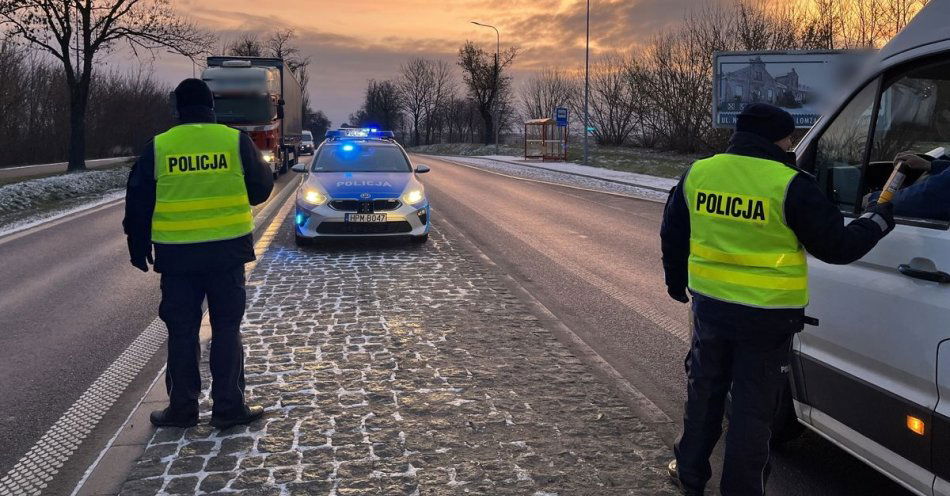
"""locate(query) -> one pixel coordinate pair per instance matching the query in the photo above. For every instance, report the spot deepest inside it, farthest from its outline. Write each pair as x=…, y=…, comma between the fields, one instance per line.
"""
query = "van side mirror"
x=299, y=168
x=422, y=169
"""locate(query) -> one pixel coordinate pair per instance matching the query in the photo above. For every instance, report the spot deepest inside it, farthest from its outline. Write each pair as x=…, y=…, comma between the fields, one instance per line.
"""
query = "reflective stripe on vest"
x=200, y=193
x=741, y=251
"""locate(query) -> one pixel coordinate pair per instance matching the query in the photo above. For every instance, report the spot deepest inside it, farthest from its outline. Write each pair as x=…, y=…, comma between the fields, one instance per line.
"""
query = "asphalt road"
x=70, y=303
x=594, y=260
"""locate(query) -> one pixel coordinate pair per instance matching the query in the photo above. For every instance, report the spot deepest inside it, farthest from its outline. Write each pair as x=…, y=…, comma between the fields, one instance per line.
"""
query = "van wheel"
x=785, y=424
x=420, y=239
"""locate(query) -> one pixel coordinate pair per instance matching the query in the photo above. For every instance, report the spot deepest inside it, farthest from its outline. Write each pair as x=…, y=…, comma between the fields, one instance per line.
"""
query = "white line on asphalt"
x=19, y=230
x=475, y=167
x=34, y=471
x=117, y=159
x=260, y=247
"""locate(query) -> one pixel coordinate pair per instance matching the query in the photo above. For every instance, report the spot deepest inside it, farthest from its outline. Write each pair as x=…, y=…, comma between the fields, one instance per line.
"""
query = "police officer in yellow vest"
x=735, y=232
x=190, y=195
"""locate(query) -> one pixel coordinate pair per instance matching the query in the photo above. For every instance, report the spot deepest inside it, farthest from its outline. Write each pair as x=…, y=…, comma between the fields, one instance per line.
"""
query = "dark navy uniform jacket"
x=197, y=257
x=814, y=219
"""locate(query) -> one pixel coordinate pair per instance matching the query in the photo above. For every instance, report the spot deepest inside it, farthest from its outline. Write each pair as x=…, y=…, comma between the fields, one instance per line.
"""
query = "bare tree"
x=486, y=82
x=443, y=90
x=611, y=99
x=545, y=91
x=247, y=45
x=416, y=85
x=382, y=107
x=74, y=32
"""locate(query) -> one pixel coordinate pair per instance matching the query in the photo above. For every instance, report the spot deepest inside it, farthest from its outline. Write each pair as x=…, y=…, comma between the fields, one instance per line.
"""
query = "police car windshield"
x=360, y=156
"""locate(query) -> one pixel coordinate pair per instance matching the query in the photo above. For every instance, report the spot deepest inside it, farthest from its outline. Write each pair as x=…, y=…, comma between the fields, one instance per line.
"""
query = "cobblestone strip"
x=401, y=369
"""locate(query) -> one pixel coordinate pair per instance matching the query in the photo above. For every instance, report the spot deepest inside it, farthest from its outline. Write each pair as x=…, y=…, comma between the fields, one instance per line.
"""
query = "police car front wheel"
x=420, y=239
x=302, y=241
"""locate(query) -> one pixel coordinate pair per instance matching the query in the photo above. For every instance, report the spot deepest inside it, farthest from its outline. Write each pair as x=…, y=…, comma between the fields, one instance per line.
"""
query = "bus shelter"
x=545, y=140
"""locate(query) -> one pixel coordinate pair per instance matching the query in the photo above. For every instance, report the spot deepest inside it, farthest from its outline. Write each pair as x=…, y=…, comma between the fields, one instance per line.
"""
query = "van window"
x=840, y=152
x=914, y=116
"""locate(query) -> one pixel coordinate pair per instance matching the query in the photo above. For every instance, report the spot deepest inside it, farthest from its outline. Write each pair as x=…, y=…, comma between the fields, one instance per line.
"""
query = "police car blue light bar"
x=359, y=133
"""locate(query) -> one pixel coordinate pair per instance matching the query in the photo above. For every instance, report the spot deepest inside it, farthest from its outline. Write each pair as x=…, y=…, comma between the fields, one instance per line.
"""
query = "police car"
x=361, y=183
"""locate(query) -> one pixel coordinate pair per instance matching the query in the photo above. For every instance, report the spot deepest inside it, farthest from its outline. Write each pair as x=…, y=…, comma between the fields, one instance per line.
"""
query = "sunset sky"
x=351, y=41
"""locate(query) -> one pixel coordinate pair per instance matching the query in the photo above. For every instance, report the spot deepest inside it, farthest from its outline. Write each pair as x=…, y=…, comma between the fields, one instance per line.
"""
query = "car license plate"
x=365, y=218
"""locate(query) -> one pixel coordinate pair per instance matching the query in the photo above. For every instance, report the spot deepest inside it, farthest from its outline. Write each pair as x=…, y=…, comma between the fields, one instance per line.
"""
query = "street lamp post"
x=587, y=89
x=497, y=74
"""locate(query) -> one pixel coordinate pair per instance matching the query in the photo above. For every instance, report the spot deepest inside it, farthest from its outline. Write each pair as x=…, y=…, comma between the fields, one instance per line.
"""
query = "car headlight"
x=413, y=196
x=314, y=197
x=268, y=156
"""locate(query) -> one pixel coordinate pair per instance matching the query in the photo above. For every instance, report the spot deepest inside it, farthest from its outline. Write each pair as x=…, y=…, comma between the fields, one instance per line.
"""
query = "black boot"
x=169, y=418
x=248, y=415
x=675, y=479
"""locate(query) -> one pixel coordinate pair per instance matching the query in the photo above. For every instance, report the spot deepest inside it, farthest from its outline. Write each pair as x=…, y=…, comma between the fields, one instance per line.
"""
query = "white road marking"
x=260, y=247
x=35, y=470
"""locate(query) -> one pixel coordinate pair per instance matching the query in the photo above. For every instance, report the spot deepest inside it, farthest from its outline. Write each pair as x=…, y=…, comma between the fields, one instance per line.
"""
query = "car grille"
x=364, y=227
x=364, y=206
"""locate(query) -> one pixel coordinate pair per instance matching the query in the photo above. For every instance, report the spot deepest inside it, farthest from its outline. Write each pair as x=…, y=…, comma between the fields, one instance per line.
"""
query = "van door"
x=941, y=424
x=869, y=367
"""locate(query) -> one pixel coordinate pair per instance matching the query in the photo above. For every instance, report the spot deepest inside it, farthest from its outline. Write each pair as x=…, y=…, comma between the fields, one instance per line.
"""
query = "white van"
x=873, y=376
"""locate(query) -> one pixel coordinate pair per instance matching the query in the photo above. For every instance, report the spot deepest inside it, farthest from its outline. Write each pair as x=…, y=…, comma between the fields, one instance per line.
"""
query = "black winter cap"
x=193, y=92
x=767, y=121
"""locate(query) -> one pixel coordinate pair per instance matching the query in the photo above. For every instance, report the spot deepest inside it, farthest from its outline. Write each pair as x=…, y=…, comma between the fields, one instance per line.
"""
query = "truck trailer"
x=260, y=96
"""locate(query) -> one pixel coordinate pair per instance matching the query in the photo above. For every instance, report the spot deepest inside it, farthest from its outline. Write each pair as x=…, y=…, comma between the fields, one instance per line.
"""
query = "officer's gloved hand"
x=140, y=257
x=882, y=214
x=678, y=295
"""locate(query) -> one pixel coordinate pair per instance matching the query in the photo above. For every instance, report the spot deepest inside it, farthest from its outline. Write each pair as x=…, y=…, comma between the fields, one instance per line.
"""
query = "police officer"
x=734, y=232
x=190, y=195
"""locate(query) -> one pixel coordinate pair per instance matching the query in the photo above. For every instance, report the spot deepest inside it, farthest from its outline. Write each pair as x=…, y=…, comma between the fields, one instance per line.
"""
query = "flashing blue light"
x=348, y=148
x=300, y=219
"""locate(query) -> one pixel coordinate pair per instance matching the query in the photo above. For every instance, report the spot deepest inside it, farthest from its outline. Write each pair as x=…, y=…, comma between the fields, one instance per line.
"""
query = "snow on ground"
x=636, y=185
x=31, y=201
x=37, y=218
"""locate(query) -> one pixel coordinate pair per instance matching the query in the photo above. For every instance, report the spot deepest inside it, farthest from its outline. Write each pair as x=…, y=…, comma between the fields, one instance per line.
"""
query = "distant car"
x=361, y=183
x=306, y=143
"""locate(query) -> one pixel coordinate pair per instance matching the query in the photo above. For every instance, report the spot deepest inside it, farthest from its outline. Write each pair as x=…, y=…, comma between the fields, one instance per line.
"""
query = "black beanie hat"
x=767, y=121
x=193, y=92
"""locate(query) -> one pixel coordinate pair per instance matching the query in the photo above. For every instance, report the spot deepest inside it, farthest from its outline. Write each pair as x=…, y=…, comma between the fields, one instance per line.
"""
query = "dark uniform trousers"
x=755, y=366
x=180, y=309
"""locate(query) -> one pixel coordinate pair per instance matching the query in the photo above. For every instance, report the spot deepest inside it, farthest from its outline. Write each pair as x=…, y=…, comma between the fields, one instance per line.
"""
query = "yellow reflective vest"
x=741, y=250
x=200, y=192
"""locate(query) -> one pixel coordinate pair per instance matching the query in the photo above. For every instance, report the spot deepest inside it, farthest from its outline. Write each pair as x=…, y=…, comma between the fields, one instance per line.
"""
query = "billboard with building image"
x=799, y=82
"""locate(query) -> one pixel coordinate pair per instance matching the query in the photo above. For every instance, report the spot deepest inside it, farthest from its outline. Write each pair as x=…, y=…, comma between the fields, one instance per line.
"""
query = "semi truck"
x=259, y=96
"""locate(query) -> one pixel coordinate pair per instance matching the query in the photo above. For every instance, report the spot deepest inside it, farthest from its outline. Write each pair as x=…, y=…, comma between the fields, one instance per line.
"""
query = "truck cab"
x=873, y=376
x=250, y=95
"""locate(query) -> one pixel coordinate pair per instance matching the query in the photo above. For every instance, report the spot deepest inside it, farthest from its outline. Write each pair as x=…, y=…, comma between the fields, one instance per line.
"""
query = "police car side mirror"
x=422, y=169
x=299, y=168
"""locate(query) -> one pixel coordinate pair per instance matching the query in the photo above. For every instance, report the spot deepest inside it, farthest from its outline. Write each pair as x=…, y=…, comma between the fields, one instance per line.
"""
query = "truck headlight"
x=314, y=197
x=268, y=156
x=413, y=197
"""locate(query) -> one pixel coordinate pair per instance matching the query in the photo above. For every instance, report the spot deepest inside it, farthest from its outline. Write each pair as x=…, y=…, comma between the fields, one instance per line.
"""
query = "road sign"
x=560, y=115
